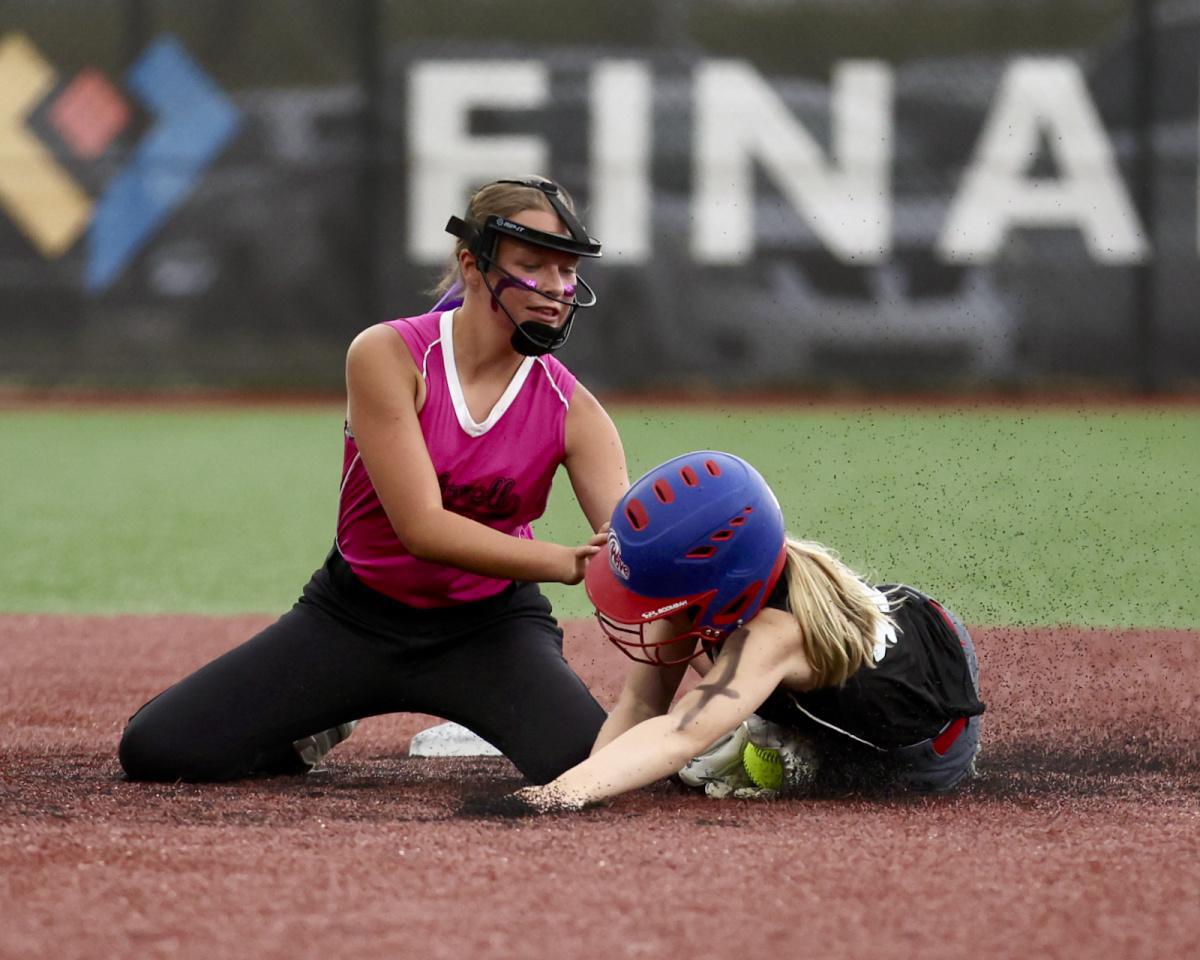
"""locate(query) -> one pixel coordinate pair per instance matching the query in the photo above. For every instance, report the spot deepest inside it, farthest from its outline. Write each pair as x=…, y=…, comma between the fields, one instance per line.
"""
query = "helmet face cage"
x=700, y=534
x=630, y=638
x=571, y=291
x=531, y=338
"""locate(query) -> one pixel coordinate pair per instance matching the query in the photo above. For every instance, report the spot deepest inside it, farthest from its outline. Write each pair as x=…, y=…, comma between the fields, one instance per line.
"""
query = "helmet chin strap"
x=531, y=338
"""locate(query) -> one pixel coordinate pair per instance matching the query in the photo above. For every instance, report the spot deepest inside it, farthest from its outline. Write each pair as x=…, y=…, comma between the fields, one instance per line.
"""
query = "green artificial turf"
x=1020, y=516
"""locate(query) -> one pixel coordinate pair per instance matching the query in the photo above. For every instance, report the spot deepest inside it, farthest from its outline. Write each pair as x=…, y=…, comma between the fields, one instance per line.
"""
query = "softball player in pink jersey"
x=428, y=602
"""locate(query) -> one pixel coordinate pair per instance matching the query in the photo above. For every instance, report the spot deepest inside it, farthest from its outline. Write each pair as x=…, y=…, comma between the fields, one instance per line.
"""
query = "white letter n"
x=740, y=119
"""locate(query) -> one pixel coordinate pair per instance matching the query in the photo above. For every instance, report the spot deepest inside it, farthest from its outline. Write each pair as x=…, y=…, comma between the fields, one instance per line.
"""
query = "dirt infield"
x=1081, y=839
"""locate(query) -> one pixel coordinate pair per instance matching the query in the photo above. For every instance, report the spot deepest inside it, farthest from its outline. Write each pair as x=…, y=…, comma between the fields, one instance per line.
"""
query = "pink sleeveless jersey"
x=497, y=472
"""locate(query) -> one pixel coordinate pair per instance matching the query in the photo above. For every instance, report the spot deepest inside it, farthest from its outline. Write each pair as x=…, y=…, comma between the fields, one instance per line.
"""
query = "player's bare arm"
x=752, y=663
x=648, y=690
x=595, y=458
x=384, y=388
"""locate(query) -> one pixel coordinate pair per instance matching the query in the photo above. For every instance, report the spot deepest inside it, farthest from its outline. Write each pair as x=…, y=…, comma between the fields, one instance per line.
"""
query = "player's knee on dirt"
x=148, y=752
x=144, y=756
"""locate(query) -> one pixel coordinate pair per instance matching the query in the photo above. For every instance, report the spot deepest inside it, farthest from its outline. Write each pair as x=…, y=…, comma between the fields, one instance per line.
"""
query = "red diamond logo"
x=89, y=113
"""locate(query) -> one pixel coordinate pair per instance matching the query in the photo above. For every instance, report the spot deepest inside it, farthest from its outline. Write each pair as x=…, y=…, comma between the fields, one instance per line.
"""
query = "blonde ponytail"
x=838, y=614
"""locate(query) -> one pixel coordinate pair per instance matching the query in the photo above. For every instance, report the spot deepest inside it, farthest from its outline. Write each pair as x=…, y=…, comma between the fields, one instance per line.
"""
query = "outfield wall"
x=791, y=194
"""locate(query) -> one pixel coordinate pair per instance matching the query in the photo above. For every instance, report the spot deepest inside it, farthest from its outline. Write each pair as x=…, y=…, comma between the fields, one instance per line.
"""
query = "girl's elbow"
x=420, y=550
x=421, y=540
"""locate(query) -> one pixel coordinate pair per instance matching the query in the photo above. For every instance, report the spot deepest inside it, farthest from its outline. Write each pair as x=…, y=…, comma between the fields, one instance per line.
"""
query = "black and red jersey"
x=919, y=683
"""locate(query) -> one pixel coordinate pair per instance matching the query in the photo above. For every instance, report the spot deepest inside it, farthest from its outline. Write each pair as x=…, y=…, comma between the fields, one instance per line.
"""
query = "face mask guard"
x=630, y=638
x=531, y=338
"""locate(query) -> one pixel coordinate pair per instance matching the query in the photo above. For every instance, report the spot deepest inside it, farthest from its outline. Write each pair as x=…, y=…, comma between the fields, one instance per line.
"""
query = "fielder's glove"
x=756, y=760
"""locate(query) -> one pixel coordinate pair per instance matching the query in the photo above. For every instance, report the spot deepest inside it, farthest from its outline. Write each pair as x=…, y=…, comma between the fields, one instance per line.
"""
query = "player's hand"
x=581, y=555
x=530, y=802
x=579, y=560
x=548, y=799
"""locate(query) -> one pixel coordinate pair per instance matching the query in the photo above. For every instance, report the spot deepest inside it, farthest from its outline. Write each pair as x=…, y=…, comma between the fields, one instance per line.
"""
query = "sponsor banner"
x=986, y=216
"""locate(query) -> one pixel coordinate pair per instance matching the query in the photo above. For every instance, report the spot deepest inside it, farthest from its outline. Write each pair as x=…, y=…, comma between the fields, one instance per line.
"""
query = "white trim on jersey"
x=541, y=362
x=425, y=359
x=337, y=537
x=470, y=427
x=845, y=733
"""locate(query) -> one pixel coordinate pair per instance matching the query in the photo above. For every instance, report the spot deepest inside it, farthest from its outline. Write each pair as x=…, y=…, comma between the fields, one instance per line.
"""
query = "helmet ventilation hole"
x=737, y=521
x=721, y=535
x=735, y=609
x=636, y=514
x=689, y=477
x=663, y=491
x=712, y=467
x=701, y=553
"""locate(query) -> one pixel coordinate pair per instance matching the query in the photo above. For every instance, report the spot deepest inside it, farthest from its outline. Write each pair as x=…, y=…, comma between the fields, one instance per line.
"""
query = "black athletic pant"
x=344, y=652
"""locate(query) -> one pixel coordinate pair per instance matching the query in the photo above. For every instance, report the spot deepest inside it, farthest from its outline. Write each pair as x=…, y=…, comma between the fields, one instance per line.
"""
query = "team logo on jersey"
x=619, y=566
x=484, y=500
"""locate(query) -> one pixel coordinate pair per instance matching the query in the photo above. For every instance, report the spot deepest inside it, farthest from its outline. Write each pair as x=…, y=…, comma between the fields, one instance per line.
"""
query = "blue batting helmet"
x=700, y=535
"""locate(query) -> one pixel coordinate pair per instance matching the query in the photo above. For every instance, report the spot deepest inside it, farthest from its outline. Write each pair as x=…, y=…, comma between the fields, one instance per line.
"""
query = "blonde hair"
x=499, y=200
x=837, y=612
